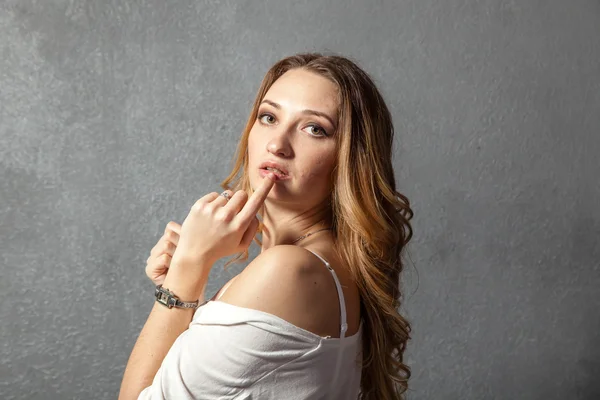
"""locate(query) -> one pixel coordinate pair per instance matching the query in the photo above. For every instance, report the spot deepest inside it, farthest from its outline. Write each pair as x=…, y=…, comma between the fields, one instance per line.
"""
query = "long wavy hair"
x=370, y=219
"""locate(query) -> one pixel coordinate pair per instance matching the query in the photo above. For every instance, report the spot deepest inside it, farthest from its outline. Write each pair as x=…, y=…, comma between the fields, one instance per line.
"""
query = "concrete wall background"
x=115, y=116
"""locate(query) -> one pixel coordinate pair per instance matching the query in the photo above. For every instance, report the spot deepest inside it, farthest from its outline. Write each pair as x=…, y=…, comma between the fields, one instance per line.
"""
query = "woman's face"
x=295, y=128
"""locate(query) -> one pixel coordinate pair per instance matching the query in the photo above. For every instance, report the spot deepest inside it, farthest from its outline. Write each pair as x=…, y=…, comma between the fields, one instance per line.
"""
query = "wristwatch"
x=168, y=299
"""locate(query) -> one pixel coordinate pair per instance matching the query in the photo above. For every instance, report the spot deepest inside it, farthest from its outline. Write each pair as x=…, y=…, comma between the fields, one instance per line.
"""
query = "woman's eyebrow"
x=307, y=111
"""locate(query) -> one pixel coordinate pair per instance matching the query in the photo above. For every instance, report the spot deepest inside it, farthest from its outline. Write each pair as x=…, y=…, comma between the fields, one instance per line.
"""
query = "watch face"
x=163, y=298
x=166, y=298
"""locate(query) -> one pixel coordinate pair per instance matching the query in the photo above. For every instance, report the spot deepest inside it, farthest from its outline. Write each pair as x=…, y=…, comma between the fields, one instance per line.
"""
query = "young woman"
x=314, y=315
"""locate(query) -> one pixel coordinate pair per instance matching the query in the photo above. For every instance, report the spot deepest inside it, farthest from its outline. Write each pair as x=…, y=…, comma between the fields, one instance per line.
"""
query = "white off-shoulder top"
x=232, y=352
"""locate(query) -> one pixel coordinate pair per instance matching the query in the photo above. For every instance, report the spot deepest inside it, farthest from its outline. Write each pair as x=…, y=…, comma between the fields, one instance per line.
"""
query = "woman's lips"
x=278, y=177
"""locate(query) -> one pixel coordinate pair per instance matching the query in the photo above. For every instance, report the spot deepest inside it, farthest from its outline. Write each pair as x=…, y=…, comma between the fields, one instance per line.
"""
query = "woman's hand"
x=157, y=265
x=217, y=227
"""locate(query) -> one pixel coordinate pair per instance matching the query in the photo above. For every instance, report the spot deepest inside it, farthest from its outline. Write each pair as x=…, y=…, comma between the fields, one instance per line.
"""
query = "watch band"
x=170, y=300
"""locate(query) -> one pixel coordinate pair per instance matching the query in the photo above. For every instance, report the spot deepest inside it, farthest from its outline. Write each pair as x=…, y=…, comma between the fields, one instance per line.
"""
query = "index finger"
x=256, y=200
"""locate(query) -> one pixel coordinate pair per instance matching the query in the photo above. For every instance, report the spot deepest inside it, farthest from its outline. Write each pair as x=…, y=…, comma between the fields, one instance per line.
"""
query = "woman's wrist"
x=187, y=280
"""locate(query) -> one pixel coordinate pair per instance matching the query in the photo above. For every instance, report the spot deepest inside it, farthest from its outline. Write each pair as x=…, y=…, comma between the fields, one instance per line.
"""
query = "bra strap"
x=344, y=324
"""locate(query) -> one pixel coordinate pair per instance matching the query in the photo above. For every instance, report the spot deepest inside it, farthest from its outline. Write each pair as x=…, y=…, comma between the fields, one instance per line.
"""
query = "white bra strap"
x=344, y=324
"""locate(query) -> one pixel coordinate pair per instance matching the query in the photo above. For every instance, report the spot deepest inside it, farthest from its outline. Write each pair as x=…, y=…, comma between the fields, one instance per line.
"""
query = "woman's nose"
x=279, y=144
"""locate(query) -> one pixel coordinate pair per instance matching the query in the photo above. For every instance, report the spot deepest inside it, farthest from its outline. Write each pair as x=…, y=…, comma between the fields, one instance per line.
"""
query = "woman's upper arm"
x=290, y=283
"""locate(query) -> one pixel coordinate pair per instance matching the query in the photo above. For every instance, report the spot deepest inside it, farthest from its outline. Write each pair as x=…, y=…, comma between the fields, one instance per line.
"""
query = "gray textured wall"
x=115, y=116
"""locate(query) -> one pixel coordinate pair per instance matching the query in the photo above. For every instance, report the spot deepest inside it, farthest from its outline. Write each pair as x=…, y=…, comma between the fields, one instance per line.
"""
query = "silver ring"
x=226, y=195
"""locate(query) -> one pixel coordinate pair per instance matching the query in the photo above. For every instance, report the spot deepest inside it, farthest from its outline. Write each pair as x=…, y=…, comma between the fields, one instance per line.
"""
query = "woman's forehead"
x=301, y=89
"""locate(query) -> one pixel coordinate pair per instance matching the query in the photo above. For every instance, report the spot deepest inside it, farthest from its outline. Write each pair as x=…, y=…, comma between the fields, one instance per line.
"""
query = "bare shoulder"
x=289, y=282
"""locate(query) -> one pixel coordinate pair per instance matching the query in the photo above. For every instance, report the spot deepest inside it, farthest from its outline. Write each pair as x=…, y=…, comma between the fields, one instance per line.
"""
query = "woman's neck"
x=283, y=227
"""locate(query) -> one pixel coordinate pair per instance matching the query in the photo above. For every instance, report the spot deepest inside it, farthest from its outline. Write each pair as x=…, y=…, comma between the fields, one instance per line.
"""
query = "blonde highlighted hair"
x=370, y=218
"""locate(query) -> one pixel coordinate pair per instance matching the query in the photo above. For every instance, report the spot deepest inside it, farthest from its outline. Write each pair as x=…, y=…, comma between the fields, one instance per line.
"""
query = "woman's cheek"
x=315, y=174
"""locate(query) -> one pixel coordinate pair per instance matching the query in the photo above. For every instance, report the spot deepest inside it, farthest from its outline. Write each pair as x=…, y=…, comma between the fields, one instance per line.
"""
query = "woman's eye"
x=316, y=130
x=267, y=119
